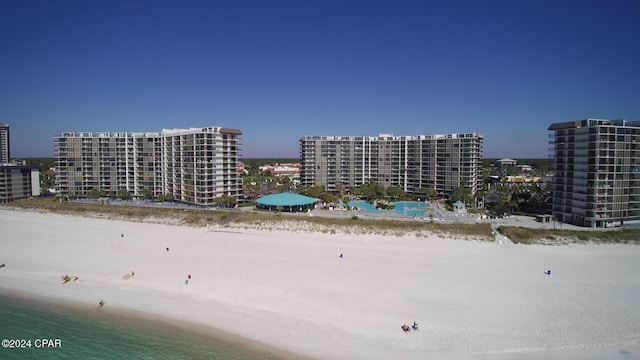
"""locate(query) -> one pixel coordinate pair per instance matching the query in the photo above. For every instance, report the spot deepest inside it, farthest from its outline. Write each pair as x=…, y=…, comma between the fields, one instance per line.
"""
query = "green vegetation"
x=516, y=199
x=129, y=213
x=358, y=225
x=428, y=193
x=540, y=166
x=42, y=163
x=521, y=235
x=226, y=201
x=372, y=192
x=123, y=194
x=524, y=199
x=255, y=163
x=260, y=219
x=95, y=193
x=510, y=199
x=384, y=205
x=354, y=224
x=462, y=194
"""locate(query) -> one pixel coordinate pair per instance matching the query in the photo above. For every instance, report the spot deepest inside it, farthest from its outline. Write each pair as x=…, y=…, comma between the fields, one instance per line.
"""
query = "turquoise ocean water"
x=82, y=334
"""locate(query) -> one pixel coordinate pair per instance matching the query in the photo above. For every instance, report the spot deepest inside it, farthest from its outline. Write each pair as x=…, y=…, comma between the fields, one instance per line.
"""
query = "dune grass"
x=121, y=212
x=376, y=226
x=263, y=220
x=521, y=235
x=354, y=225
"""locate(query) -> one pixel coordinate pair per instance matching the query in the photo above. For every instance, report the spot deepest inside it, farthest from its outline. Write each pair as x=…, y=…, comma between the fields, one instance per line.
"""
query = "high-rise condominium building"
x=4, y=144
x=597, y=172
x=194, y=165
x=18, y=182
x=442, y=162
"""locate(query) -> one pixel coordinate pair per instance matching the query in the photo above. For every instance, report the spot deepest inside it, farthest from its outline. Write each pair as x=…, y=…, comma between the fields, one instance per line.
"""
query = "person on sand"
x=101, y=303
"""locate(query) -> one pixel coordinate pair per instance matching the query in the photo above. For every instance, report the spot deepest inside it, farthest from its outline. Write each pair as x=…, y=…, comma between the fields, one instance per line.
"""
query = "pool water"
x=407, y=208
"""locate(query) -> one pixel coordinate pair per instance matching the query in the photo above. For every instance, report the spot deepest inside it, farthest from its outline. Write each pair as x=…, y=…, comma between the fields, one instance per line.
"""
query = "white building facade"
x=18, y=182
x=442, y=162
x=194, y=165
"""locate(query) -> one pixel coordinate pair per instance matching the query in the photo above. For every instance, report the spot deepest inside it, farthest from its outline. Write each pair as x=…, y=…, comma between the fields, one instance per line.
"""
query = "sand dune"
x=293, y=291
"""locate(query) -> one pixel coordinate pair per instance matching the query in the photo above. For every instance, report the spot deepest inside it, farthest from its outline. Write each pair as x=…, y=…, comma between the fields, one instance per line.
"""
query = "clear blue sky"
x=279, y=70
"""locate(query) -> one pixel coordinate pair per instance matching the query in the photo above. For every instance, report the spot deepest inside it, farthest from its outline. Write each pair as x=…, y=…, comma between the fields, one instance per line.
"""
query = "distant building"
x=493, y=179
x=194, y=165
x=520, y=179
x=282, y=169
x=441, y=162
x=5, y=156
x=507, y=162
x=18, y=182
x=597, y=172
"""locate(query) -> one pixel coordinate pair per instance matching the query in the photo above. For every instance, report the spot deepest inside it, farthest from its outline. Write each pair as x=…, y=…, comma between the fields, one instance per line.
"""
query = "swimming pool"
x=407, y=208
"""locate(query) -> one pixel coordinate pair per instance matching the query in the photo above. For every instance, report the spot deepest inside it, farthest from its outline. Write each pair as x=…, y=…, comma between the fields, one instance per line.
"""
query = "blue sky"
x=279, y=70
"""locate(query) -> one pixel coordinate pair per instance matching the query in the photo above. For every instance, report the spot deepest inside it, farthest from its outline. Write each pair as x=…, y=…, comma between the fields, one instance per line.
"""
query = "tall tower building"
x=597, y=172
x=194, y=165
x=4, y=144
x=441, y=162
x=16, y=181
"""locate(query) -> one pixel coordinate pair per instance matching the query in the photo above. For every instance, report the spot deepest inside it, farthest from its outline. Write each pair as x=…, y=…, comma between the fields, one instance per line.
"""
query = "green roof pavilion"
x=286, y=201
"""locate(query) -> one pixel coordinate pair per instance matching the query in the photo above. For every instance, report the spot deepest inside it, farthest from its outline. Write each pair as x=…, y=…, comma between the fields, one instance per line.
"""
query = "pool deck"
x=439, y=213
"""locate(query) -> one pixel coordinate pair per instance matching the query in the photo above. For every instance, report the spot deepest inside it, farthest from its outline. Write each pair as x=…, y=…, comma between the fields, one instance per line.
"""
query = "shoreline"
x=149, y=321
x=290, y=291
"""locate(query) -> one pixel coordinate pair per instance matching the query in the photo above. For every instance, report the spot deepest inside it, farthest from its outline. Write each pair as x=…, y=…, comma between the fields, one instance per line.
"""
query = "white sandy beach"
x=292, y=291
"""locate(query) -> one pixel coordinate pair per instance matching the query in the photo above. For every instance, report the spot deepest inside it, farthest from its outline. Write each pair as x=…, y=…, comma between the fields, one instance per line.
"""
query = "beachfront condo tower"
x=193, y=165
x=597, y=172
x=4, y=144
x=441, y=162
